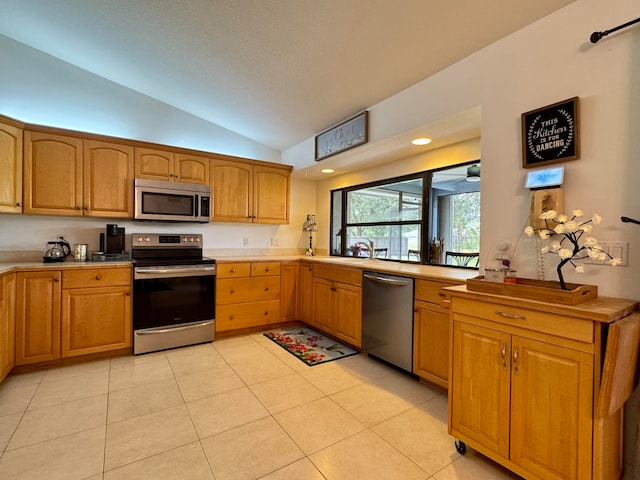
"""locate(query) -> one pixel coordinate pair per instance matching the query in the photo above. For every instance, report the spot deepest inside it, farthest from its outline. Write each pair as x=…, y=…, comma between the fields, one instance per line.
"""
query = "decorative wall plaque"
x=551, y=134
x=348, y=134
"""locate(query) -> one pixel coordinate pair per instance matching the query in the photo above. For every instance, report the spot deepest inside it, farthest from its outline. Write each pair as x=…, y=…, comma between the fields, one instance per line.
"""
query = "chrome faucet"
x=369, y=245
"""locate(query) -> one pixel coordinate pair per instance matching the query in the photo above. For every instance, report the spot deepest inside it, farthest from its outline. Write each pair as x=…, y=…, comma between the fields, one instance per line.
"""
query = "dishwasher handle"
x=387, y=281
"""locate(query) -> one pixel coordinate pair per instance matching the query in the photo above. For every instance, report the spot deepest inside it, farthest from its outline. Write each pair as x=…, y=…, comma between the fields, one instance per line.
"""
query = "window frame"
x=424, y=223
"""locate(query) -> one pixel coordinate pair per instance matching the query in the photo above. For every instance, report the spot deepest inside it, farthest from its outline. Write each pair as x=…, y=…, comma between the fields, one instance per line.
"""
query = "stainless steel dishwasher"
x=387, y=318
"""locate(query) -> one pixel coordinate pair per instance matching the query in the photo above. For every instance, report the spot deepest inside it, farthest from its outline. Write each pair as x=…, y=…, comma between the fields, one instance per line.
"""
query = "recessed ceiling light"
x=421, y=141
x=327, y=170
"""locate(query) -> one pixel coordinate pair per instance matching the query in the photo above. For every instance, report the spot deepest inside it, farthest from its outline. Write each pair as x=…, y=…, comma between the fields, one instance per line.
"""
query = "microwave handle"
x=196, y=205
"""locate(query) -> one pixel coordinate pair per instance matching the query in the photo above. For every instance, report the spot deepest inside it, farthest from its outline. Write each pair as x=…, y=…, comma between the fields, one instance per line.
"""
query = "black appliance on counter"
x=112, y=246
x=173, y=292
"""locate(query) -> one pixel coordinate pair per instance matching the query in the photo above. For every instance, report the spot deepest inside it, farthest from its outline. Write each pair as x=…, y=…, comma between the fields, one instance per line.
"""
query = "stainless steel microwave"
x=171, y=201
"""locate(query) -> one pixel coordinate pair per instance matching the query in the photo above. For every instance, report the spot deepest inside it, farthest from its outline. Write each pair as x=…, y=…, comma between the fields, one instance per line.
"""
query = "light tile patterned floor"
x=239, y=408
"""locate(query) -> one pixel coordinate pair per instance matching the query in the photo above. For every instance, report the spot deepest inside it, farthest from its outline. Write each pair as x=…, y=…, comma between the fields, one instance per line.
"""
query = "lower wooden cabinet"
x=289, y=284
x=97, y=317
x=431, y=332
x=337, y=302
x=64, y=313
x=7, y=323
x=247, y=295
x=306, y=292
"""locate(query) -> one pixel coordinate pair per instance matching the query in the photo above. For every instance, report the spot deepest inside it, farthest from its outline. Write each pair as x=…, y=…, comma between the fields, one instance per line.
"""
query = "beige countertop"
x=395, y=268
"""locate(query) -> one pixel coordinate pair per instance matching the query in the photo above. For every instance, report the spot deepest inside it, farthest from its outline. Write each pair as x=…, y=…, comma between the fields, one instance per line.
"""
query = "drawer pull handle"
x=515, y=362
x=510, y=315
x=98, y=277
x=441, y=294
x=231, y=317
x=233, y=291
x=233, y=270
x=266, y=313
x=503, y=355
x=266, y=269
x=266, y=289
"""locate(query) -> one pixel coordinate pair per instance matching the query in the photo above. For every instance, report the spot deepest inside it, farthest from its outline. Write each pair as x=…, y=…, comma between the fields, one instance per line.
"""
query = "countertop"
x=428, y=272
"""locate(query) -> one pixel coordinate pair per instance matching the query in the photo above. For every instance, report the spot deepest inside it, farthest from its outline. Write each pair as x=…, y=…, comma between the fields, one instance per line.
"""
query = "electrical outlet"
x=502, y=250
x=616, y=250
x=245, y=241
x=275, y=242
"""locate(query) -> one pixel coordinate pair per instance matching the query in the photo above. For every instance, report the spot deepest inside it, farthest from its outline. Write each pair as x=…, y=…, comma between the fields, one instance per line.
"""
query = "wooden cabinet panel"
x=481, y=385
x=108, y=179
x=263, y=269
x=52, y=174
x=431, y=343
x=289, y=285
x=348, y=314
x=154, y=164
x=7, y=323
x=238, y=290
x=96, y=277
x=11, y=168
x=349, y=276
x=551, y=399
x=191, y=169
x=271, y=195
x=37, y=317
x=95, y=320
x=231, y=191
x=233, y=270
x=244, y=315
x=306, y=292
x=324, y=305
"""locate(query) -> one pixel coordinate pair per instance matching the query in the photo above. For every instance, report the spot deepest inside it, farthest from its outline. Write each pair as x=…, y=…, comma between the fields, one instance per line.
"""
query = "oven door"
x=173, y=306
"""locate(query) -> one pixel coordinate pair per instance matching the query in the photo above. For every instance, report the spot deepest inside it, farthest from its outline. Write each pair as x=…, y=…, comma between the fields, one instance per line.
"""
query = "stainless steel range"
x=173, y=292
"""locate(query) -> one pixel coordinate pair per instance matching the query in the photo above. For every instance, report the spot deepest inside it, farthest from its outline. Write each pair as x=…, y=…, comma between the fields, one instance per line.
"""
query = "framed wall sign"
x=551, y=134
x=352, y=132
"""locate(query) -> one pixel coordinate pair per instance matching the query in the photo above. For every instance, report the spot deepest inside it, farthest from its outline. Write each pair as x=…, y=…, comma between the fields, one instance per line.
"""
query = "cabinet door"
x=37, y=317
x=191, y=169
x=306, y=293
x=431, y=343
x=289, y=291
x=231, y=191
x=551, y=409
x=271, y=195
x=480, y=387
x=52, y=174
x=154, y=164
x=7, y=324
x=11, y=168
x=108, y=180
x=324, y=302
x=95, y=320
x=348, y=316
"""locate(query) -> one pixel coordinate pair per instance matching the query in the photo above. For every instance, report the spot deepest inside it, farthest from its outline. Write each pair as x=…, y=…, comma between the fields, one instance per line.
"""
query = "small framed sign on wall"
x=349, y=134
x=551, y=134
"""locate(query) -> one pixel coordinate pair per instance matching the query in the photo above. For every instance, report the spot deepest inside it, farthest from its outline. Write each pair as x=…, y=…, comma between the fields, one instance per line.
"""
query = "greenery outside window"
x=438, y=209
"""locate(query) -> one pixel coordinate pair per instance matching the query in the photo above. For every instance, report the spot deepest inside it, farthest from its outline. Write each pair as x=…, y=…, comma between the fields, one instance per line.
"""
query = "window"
x=391, y=215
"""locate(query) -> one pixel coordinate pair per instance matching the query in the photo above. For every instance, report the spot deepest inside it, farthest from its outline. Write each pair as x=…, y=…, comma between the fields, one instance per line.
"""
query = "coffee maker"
x=114, y=239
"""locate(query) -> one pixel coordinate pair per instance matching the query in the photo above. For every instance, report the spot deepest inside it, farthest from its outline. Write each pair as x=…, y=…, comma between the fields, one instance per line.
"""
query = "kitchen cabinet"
x=96, y=311
x=71, y=176
x=431, y=332
x=306, y=292
x=38, y=316
x=70, y=312
x=247, y=295
x=249, y=193
x=11, y=167
x=169, y=166
x=337, y=302
x=289, y=285
x=7, y=323
x=523, y=378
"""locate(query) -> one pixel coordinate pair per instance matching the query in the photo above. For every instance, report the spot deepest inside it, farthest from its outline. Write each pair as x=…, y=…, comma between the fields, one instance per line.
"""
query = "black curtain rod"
x=596, y=36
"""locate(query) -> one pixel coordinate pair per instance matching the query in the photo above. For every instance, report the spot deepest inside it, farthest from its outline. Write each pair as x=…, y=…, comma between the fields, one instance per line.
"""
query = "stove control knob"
x=191, y=239
x=147, y=239
x=197, y=239
x=139, y=239
x=184, y=239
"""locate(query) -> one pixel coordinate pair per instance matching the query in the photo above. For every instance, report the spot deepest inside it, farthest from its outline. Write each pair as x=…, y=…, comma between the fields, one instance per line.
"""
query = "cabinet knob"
x=266, y=289
x=266, y=269
x=233, y=270
x=128, y=294
x=233, y=291
x=18, y=204
x=78, y=208
x=231, y=317
x=266, y=313
x=98, y=277
x=85, y=208
x=56, y=280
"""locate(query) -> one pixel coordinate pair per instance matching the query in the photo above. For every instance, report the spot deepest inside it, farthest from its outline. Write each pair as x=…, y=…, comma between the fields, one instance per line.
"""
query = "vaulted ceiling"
x=275, y=71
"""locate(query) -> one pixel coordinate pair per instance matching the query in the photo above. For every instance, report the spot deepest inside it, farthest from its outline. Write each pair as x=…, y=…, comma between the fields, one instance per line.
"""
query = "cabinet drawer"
x=262, y=269
x=431, y=291
x=338, y=274
x=236, y=290
x=558, y=325
x=243, y=315
x=231, y=270
x=96, y=277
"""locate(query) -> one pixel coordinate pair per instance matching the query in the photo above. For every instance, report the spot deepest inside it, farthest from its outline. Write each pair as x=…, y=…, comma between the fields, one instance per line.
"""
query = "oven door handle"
x=151, y=273
x=159, y=331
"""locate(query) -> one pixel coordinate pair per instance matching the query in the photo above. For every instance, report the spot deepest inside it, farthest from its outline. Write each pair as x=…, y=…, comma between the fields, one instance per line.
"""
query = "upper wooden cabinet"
x=11, y=168
x=75, y=177
x=248, y=193
x=171, y=167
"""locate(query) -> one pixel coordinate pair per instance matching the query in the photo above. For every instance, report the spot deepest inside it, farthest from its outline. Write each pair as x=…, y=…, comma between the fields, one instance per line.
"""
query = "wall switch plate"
x=245, y=241
x=275, y=242
x=616, y=250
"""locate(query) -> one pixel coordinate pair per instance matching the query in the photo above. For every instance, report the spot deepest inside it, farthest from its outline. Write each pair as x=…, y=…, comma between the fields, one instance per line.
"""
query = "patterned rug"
x=311, y=347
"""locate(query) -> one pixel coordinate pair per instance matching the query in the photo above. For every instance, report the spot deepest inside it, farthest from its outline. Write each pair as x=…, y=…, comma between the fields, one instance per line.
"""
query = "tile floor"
x=239, y=408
